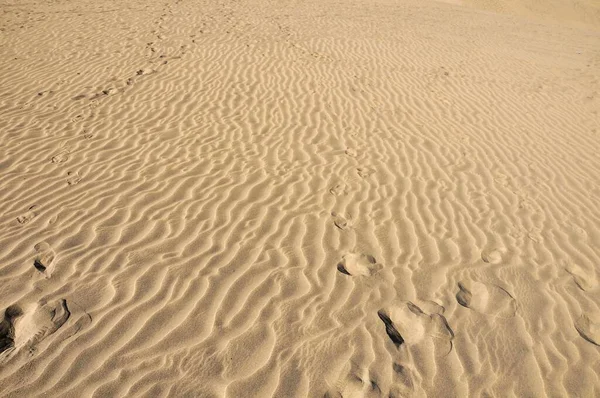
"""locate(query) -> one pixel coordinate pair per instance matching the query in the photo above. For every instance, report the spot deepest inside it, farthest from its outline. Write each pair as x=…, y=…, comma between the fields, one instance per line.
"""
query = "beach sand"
x=300, y=198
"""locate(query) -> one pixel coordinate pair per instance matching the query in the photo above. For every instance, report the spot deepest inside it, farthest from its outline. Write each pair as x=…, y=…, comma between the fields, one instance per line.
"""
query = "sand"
x=300, y=199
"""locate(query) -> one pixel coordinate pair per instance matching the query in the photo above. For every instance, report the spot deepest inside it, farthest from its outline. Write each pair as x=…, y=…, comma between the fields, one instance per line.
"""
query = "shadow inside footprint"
x=403, y=377
x=487, y=299
x=358, y=264
x=7, y=328
x=73, y=178
x=585, y=280
x=391, y=331
x=45, y=258
x=31, y=324
x=28, y=216
x=340, y=221
x=588, y=329
x=409, y=324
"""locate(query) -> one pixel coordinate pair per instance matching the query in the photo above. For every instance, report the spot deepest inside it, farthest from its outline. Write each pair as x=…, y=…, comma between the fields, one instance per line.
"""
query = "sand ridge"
x=295, y=199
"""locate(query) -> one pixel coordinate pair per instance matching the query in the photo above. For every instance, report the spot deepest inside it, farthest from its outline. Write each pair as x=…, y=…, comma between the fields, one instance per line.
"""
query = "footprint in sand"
x=45, y=259
x=27, y=216
x=584, y=280
x=409, y=324
x=338, y=190
x=403, y=381
x=109, y=91
x=145, y=72
x=356, y=381
x=28, y=325
x=351, y=152
x=365, y=172
x=355, y=264
x=60, y=158
x=7, y=328
x=588, y=329
x=487, y=299
x=493, y=256
x=340, y=221
x=73, y=178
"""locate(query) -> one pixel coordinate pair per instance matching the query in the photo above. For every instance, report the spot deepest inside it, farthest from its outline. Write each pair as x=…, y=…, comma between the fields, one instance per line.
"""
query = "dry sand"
x=300, y=198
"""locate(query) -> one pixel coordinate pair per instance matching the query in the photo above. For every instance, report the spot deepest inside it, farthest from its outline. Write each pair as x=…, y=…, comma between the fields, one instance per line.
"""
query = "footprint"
x=584, y=280
x=355, y=264
x=338, y=190
x=488, y=299
x=409, y=324
x=60, y=158
x=28, y=216
x=30, y=324
x=73, y=178
x=145, y=72
x=535, y=236
x=588, y=329
x=404, y=384
x=493, y=256
x=351, y=152
x=45, y=259
x=502, y=179
x=355, y=381
x=7, y=328
x=340, y=221
x=365, y=172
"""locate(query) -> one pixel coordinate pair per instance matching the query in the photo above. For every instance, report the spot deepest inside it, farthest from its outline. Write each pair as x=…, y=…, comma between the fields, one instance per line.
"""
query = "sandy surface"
x=284, y=198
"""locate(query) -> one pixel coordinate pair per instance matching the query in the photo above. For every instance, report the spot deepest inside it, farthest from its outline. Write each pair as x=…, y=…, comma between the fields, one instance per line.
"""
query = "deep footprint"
x=45, y=258
x=354, y=264
x=408, y=324
x=487, y=299
x=29, y=325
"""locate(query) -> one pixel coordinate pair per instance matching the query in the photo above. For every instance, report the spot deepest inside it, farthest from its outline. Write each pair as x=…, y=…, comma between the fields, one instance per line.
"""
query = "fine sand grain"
x=300, y=198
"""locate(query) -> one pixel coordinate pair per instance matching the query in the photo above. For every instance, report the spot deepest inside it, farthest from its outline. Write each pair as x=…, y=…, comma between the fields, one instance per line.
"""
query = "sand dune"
x=289, y=199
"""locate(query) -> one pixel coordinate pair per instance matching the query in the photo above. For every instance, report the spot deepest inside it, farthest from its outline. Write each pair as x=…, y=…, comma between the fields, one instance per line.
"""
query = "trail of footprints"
x=410, y=325
x=406, y=324
x=26, y=325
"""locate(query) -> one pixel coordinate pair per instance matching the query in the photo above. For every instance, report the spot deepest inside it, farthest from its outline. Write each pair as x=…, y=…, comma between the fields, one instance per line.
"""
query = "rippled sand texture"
x=289, y=199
